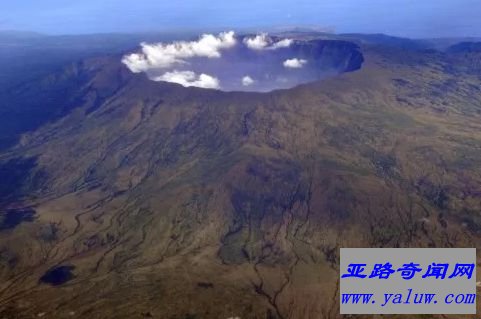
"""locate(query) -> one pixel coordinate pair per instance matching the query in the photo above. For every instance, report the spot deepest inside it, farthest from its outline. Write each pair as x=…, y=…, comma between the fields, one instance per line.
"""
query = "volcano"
x=148, y=199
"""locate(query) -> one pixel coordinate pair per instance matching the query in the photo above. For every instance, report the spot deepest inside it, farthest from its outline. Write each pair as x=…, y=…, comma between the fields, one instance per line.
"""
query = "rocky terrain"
x=130, y=198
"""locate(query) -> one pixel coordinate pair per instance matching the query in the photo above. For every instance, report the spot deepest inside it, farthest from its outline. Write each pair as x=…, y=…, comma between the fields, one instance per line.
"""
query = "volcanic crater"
x=258, y=63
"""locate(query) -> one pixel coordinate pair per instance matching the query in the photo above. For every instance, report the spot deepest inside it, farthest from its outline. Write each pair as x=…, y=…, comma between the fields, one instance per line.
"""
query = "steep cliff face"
x=149, y=199
x=332, y=55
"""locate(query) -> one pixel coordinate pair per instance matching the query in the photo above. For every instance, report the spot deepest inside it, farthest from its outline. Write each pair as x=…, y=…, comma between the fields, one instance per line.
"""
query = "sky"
x=408, y=18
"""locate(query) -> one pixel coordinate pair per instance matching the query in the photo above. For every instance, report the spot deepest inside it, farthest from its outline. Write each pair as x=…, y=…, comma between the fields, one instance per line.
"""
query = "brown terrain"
x=140, y=199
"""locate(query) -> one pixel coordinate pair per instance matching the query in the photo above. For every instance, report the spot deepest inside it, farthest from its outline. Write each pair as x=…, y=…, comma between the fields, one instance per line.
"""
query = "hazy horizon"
x=403, y=18
x=182, y=33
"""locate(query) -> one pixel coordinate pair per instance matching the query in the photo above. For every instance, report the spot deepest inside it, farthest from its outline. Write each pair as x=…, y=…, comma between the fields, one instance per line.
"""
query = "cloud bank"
x=264, y=42
x=294, y=63
x=163, y=56
x=189, y=78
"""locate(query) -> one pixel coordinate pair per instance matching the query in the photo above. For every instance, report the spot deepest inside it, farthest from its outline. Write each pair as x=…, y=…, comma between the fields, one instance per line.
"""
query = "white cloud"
x=294, y=63
x=259, y=42
x=264, y=42
x=162, y=55
x=189, y=78
x=247, y=81
x=285, y=43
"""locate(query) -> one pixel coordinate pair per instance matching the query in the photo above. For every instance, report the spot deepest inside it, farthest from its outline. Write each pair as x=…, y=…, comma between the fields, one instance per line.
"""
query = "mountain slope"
x=149, y=199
